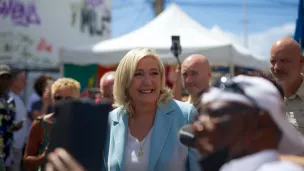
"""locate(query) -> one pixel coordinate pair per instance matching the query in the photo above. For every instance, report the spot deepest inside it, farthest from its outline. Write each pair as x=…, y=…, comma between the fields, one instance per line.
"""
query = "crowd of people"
x=252, y=122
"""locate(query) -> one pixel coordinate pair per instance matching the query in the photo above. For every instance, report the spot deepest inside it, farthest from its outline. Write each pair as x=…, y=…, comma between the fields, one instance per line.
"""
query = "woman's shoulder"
x=187, y=109
x=116, y=113
x=180, y=104
x=37, y=125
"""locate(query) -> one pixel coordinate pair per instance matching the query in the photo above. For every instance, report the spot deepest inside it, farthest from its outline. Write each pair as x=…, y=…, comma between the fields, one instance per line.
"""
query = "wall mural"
x=23, y=50
x=6, y=42
x=31, y=32
x=21, y=13
x=91, y=21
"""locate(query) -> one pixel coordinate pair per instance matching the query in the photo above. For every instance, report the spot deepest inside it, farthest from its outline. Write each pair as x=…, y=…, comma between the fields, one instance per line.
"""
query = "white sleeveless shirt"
x=133, y=160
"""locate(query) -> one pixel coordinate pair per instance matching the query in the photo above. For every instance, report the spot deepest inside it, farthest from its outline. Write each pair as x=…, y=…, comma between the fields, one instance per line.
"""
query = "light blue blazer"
x=166, y=151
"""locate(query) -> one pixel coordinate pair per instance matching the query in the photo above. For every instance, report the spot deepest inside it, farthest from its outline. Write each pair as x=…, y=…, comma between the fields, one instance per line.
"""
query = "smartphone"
x=176, y=48
x=19, y=123
x=80, y=127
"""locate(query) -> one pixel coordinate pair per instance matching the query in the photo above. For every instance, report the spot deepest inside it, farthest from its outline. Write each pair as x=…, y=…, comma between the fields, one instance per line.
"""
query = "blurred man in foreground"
x=241, y=127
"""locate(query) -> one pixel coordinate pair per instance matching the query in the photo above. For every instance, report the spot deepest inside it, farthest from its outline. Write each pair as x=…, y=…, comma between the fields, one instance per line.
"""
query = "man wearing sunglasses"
x=240, y=127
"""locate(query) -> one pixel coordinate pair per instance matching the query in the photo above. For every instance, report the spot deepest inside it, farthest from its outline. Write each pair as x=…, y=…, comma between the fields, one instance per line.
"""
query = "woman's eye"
x=138, y=74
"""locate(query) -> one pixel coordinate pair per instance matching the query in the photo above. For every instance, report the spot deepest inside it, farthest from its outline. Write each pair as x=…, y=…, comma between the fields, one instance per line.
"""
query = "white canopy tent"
x=157, y=35
x=221, y=35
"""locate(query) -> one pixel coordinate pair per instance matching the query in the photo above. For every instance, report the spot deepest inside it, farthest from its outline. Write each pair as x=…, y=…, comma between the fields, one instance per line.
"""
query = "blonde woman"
x=143, y=130
x=62, y=89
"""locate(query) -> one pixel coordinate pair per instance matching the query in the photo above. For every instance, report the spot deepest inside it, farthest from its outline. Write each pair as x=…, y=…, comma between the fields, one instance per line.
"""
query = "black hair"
x=41, y=83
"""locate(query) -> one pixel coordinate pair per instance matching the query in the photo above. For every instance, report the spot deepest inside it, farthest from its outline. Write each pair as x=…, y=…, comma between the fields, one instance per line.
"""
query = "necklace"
x=141, y=146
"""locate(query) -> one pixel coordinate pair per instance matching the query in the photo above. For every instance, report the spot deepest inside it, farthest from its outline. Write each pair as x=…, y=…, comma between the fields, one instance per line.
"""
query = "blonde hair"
x=107, y=75
x=125, y=73
x=63, y=83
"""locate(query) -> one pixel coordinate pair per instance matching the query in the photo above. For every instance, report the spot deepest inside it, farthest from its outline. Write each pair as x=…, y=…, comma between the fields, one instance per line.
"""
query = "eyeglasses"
x=58, y=98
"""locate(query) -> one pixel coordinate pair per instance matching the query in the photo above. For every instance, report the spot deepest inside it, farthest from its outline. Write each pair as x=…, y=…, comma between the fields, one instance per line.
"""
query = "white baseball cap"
x=266, y=96
x=259, y=92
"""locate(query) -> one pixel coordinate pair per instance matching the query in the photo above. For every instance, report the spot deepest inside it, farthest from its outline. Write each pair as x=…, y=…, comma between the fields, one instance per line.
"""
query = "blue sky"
x=228, y=14
x=263, y=16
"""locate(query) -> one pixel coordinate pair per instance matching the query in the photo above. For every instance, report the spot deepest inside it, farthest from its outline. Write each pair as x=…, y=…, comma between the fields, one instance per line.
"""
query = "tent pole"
x=61, y=63
x=231, y=70
x=61, y=69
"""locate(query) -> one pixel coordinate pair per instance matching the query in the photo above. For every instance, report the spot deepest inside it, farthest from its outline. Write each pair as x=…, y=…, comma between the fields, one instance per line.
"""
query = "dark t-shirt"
x=37, y=105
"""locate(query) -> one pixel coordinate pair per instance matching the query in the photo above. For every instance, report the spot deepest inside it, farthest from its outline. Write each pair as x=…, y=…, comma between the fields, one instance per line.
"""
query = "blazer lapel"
x=162, y=124
x=119, y=136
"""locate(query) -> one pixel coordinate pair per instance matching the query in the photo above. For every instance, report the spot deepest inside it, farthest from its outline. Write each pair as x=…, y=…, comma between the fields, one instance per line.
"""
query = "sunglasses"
x=227, y=84
x=58, y=98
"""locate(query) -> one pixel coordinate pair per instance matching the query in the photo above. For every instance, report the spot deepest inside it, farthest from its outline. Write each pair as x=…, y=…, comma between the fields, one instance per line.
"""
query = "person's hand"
x=46, y=97
x=61, y=160
x=203, y=129
x=18, y=126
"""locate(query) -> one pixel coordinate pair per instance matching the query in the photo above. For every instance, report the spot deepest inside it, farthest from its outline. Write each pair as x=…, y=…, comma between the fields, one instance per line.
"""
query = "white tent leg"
x=232, y=70
x=61, y=69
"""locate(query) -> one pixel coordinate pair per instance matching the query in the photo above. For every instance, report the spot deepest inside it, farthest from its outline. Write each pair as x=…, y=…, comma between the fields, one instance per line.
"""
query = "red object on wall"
x=44, y=46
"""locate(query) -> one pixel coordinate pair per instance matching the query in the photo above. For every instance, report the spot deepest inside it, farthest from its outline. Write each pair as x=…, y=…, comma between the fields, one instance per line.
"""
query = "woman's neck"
x=144, y=111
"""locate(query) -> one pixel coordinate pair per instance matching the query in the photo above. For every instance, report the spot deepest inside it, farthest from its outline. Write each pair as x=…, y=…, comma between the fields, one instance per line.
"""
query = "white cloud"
x=261, y=42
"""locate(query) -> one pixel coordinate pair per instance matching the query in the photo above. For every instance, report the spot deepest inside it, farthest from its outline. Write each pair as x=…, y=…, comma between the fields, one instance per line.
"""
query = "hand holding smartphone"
x=17, y=126
x=80, y=128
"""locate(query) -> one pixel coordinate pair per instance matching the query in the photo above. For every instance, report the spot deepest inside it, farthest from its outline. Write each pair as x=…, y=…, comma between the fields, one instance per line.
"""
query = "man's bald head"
x=286, y=44
x=196, y=74
x=106, y=85
x=286, y=60
x=196, y=59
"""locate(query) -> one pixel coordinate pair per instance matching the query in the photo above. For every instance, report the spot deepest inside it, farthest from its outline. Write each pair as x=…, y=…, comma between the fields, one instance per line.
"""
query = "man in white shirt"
x=17, y=86
x=241, y=127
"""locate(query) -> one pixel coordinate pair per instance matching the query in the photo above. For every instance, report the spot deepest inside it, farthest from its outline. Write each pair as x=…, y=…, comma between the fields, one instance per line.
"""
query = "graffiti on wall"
x=43, y=46
x=6, y=44
x=90, y=21
x=23, y=44
x=24, y=47
x=21, y=13
x=94, y=2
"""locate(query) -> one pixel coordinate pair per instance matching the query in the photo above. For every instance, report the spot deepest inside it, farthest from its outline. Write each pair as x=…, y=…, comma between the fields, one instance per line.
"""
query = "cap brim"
x=186, y=135
x=5, y=73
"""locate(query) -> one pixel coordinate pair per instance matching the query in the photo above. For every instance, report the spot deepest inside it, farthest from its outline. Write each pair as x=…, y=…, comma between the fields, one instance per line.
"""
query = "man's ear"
x=209, y=74
x=302, y=60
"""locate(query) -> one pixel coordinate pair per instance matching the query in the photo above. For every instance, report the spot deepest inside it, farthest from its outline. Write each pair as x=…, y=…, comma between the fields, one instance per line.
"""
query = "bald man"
x=195, y=76
x=106, y=86
x=286, y=64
